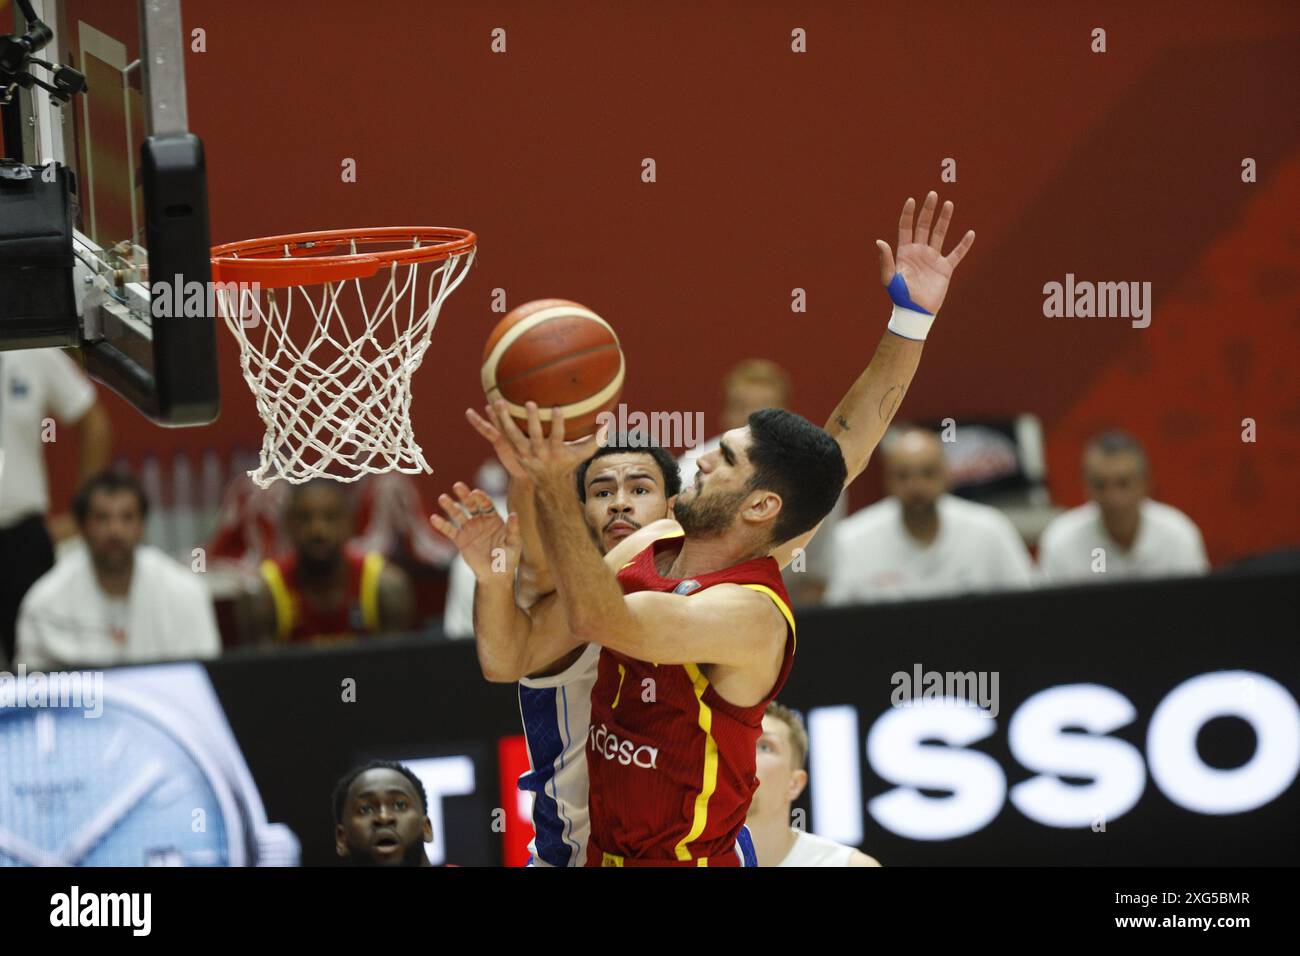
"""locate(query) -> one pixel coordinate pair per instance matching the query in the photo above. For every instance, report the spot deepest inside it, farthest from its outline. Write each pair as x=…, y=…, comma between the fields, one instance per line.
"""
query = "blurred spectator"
x=323, y=589
x=751, y=386
x=248, y=524
x=779, y=765
x=1139, y=537
x=921, y=541
x=114, y=600
x=381, y=817
x=36, y=384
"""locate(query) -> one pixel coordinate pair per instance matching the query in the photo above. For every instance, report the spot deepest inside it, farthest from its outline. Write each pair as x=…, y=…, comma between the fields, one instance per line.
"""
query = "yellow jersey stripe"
x=282, y=598
x=710, y=781
x=780, y=605
x=622, y=672
x=371, y=568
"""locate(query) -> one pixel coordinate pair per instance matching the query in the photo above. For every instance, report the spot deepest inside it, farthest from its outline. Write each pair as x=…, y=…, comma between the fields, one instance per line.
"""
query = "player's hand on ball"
x=920, y=259
x=545, y=458
x=488, y=544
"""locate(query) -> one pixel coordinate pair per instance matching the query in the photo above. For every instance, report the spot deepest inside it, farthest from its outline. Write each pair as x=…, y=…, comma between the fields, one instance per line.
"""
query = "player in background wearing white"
x=625, y=489
x=782, y=755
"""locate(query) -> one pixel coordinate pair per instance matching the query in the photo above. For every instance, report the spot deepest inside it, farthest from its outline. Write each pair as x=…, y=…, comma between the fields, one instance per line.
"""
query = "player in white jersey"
x=625, y=489
x=782, y=753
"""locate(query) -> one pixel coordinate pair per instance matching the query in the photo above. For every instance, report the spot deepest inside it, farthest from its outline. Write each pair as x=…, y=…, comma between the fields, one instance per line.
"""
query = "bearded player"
x=696, y=632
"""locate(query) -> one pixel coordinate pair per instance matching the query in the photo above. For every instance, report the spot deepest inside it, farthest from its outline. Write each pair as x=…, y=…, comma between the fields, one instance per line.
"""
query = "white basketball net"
x=333, y=383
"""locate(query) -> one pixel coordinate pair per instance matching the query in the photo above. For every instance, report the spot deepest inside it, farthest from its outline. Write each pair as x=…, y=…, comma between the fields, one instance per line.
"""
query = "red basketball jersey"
x=671, y=763
x=298, y=618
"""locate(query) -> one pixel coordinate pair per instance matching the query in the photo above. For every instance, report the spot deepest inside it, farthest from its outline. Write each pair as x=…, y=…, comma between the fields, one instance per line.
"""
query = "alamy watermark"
x=1085, y=300
x=180, y=299
x=80, y=690
x=946, y=689
x=662, y=429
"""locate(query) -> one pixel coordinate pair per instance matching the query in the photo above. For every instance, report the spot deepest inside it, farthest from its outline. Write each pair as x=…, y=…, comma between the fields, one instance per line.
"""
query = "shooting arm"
x=728, y=625
x=513, y=643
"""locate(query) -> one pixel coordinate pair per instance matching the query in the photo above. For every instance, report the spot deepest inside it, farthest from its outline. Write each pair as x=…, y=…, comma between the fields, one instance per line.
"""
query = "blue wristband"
x=903, y=298
x=909, y=319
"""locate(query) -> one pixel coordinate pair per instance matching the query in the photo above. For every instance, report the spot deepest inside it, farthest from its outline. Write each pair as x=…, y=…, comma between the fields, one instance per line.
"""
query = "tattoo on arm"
x=842, y=422
x=890, y=401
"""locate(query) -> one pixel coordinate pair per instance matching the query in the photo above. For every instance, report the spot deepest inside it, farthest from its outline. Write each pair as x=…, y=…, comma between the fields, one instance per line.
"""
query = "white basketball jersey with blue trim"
x=556, y=712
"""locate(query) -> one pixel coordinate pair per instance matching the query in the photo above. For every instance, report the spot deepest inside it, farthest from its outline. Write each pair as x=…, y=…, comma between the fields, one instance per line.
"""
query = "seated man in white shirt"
x=921, y=541
x=1120, y=533
x=114, y=600
x=779, y=766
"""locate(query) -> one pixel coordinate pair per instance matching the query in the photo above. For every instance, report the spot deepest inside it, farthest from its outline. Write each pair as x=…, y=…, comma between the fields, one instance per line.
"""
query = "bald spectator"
x=41, y=391
x=921, y=541
x=751, y=386
x=1120, y=533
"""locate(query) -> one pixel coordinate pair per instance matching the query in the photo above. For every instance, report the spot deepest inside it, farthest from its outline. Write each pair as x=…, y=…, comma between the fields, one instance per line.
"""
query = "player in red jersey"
x=696, y=631
x=324, y=590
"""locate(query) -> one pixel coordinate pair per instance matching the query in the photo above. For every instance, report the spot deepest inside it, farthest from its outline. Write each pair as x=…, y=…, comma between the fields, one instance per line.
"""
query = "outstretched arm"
x=511, y=642
x=917, y=280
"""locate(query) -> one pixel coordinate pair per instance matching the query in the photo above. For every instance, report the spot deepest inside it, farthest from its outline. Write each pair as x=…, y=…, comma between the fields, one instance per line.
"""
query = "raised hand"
x=487, y=426
x=545, y=457
x=920, y=259
x=488, y=544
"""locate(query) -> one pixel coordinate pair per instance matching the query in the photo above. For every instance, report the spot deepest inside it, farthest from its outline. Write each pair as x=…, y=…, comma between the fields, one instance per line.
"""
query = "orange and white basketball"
x=555, y=353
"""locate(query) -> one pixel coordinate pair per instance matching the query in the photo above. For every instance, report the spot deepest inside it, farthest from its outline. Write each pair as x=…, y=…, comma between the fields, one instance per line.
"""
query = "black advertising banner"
x=1138, y=724
x=1143, y=724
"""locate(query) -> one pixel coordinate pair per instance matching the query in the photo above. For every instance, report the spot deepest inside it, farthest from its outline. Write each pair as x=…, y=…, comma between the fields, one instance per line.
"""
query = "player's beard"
x=706, y=516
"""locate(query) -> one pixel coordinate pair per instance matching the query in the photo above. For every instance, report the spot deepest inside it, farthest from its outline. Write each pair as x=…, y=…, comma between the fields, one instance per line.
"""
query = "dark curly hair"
x=345, y=782
x=801, y=463
x=634, y=442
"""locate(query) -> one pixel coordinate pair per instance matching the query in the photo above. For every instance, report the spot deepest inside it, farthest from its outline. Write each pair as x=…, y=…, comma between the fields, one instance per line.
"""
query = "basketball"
x=555, y=353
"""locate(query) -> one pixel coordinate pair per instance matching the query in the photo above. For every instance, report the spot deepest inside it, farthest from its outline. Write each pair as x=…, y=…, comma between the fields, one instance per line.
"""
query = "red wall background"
x=777, y=170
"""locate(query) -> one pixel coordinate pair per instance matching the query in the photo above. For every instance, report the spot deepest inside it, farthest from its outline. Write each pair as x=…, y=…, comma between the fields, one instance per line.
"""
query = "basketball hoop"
x=334, y=384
